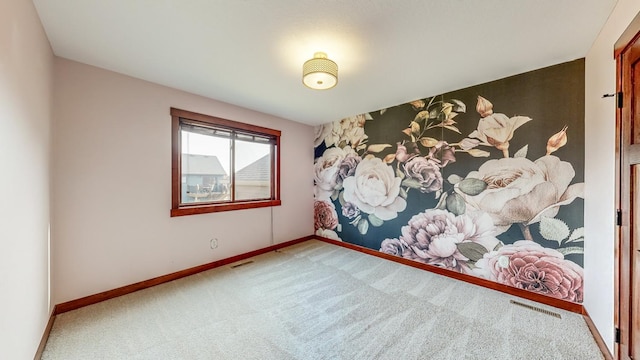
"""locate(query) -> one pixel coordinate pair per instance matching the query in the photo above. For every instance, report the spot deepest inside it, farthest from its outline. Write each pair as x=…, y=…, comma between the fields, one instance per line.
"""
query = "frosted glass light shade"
x=320, y=73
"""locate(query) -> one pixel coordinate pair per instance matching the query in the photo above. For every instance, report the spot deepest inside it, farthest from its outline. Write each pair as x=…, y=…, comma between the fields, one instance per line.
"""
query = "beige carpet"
x=317, y=301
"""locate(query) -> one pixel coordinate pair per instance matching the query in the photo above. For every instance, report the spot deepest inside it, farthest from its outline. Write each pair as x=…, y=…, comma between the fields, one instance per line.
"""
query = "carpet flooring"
x=317, y=301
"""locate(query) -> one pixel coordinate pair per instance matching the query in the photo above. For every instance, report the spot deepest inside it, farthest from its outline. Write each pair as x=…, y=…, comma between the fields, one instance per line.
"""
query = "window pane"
x=206, y=161
x=209, y=153
x=252, y=170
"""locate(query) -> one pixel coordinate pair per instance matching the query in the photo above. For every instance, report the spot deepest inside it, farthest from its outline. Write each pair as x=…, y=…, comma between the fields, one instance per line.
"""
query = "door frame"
x=622, y=274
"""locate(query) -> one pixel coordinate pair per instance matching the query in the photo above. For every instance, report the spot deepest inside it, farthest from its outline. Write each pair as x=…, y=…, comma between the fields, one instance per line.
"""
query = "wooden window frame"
x=179, y=209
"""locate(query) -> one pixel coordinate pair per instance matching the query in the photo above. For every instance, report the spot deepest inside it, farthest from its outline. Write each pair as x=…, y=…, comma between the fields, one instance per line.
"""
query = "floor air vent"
x=241, y=264
x=534, y=308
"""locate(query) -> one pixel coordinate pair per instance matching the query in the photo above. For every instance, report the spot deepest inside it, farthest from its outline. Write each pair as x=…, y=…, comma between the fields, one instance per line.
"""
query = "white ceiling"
x=250, y=52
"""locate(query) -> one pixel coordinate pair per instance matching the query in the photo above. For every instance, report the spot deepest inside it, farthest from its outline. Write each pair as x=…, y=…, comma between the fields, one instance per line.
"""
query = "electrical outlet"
x=213, y=243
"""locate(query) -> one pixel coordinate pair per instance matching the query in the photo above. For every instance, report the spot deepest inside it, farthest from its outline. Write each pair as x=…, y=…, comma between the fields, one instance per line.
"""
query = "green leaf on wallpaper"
x=553, y=229
x=375, y=221
x=471, y=250
x=428, y=142
x=577, y=235
x=421, y=115
x=478, y=153
x=368, y=116
x=442, y=203
x=334, y=195
x=411, y=182
x=399, y=173
x=341, y=199
x=383, y=111
x=571, y=250
x=363, y=226
x=403, y=193
x=458, y=106
x=446, y=108
x=376, y=148
x=433, y=114
x=498, y=246
x=342, y=144
x=454, y=179
x=455, y=204
x=452, y=128
x=415, y=128
x=472, y=186
x=522, y=152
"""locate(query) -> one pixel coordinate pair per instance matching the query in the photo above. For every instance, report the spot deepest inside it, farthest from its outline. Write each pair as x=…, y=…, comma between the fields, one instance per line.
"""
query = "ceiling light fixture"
x=320, y=73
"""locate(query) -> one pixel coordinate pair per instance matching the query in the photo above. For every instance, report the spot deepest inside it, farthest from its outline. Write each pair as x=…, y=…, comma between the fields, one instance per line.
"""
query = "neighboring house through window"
x=220, y=165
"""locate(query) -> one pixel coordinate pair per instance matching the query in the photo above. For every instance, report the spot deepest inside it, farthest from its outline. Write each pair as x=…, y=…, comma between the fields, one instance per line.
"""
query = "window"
x=221, y=165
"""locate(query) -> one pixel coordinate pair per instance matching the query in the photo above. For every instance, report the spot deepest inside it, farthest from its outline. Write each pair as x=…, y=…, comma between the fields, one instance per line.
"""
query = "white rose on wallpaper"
x=352, y=130
x=348, y=131
x=321, y=132
x=375, y=189
x=496, y=129
x=521, y=191
x=332, y=133
x=326, y=171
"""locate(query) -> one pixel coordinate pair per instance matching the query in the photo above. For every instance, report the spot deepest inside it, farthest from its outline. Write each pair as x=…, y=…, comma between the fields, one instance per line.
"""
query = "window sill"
x=209, y=208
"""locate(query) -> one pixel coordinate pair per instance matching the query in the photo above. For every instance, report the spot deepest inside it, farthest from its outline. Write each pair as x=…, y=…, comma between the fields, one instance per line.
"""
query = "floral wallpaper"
x=485, y=181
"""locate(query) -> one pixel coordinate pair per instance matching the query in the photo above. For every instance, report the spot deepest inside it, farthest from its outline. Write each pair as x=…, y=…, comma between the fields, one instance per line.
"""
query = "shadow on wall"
x=486, y=181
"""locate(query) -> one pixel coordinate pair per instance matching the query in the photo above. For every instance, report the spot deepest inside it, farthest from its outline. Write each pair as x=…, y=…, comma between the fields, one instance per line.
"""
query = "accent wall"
x=487, y=181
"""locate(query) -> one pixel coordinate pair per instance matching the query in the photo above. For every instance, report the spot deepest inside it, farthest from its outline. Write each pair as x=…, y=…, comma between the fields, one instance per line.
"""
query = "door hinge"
x=619, y=217
x=618, y=335
x=619, y=99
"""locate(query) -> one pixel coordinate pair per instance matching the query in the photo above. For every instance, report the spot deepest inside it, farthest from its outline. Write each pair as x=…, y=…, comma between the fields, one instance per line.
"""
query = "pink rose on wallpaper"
x=521, y=191
x=325, y=215
x=403, y=154
x=527, y=265
x=375, y=189
x=426, y=172
x=443, y=153
x=434, y=237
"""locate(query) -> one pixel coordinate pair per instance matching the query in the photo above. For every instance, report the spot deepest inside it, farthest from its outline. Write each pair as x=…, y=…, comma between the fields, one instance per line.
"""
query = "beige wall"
x=26, y=68
x=112, y=185
x=600, y=205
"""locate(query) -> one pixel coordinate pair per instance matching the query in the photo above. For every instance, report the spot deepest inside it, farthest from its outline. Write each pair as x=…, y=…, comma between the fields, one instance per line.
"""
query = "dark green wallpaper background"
x=497, y=195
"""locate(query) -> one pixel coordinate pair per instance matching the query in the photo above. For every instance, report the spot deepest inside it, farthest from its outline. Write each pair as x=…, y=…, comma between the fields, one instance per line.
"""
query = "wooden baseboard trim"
x=45, y=335
x=596, y=335
x=561, y=304
x=127, y=289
